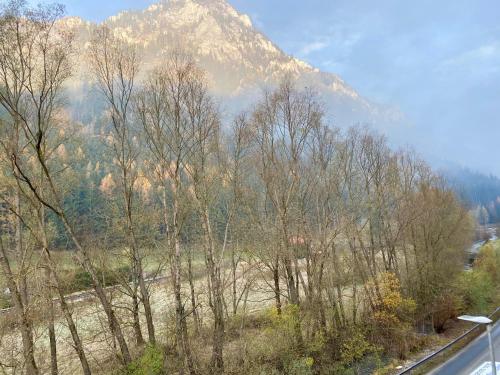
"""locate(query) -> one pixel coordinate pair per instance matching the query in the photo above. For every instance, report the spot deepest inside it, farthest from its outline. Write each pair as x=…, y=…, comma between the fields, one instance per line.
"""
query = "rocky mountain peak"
x=237, y=57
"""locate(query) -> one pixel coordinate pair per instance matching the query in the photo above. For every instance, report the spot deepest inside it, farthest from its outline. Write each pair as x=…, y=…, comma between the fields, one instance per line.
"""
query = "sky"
x=437, y=61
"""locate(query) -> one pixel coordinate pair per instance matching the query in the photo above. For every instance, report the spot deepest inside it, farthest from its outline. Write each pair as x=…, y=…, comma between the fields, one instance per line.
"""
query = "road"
x=476, y=247
x=472, y=356
x=477, y=352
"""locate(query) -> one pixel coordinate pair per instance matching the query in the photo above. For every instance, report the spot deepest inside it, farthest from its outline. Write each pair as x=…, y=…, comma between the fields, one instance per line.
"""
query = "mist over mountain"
x=481, y=192
x=238, y=59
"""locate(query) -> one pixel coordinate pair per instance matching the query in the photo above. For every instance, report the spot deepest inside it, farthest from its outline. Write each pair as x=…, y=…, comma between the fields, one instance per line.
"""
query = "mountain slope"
x=238, y=59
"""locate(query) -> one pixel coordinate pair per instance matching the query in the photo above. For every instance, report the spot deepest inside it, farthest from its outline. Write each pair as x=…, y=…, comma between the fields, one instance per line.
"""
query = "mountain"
x=479, y=191
x=239, y=60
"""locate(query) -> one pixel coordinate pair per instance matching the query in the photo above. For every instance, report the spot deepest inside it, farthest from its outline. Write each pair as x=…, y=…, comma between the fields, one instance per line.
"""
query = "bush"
x=355, y=347
x=81, y=280
x=446, y=306
x=392, y=317
x=5, y=302
x=149, y=363
x=273, y=345
x=287, y=323
x=301, y=366
x=479, y=287
x=488, y=261
x=477, y=290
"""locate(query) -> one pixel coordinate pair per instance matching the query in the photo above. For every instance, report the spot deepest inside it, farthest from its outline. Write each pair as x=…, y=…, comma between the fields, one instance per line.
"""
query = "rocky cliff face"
x=239, y=60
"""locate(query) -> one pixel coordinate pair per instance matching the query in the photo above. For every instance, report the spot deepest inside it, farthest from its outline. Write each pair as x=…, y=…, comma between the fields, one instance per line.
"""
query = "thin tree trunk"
x=49, y=299
x=147, y=307
x=82, y=254
x=51, y=328
x=193, y=295
x=24, y=322
x=277, y=290
x=113, y=322
x=176, y=265
x=217, y=362
x=234, y=265
x=135, y=315
x=138, y=275
x=292, y=287
x=23, y=287
x=78, y=345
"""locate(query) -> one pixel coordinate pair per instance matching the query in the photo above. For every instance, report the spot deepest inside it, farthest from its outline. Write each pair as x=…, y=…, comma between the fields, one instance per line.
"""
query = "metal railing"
x=471, y=333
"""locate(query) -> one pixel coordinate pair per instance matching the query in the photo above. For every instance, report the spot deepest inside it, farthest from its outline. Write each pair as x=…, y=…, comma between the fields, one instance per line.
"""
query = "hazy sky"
x=438, y=61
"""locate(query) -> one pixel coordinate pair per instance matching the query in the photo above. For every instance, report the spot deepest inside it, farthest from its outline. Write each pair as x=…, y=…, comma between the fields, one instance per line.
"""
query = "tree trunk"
x=113, y=322
x=194, y=307
x=234, y=266
x=23, y=287
x=84, y=259
x=49, y=299
x=294, y=296
x=217, y=362
x=135, y=315
x=24, y=321
x=176, y=265
x=51, y=328
x=147, y=307
x=78, y=345
x=277, y=291
x=138, y=274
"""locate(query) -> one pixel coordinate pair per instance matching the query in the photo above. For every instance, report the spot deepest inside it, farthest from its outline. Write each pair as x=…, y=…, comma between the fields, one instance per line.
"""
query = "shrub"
x=286, y=323
x=355, y=347
x=392, y=315
x=149, y=363
x=5, y=302
x=273, y=345
x=301, y=366
x=477, y=290
x=488, y=261
x=446, y=306
x=81, y=280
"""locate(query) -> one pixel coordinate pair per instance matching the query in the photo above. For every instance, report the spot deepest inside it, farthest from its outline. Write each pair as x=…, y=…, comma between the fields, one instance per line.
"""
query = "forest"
x=165, y=238
x=479, y=191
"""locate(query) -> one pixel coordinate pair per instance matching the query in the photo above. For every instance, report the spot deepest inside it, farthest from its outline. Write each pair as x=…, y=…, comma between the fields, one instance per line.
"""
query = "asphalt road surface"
x=472, y=356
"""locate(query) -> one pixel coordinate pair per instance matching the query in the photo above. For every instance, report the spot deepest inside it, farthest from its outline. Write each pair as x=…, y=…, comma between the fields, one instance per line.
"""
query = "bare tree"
x=115, y=66
x=13, y=79
x=162, y=110
x=284, y=122
x=41, y=66
x=203, y=124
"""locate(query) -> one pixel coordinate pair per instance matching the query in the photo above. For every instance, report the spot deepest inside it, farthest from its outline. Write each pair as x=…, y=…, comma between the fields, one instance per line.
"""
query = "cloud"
x=313, y=47
x=482, y=53
x=482, y=61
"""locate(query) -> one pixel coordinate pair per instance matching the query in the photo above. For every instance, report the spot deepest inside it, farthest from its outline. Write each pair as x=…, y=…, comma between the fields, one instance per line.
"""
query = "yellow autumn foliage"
x=392, y=314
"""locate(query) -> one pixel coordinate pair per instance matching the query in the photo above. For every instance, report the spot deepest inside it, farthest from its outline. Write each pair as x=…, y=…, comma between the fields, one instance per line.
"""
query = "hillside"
x=239, y=60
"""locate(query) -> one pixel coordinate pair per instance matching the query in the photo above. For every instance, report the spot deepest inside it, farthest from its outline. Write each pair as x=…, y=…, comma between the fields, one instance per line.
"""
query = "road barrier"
x=470, y=335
